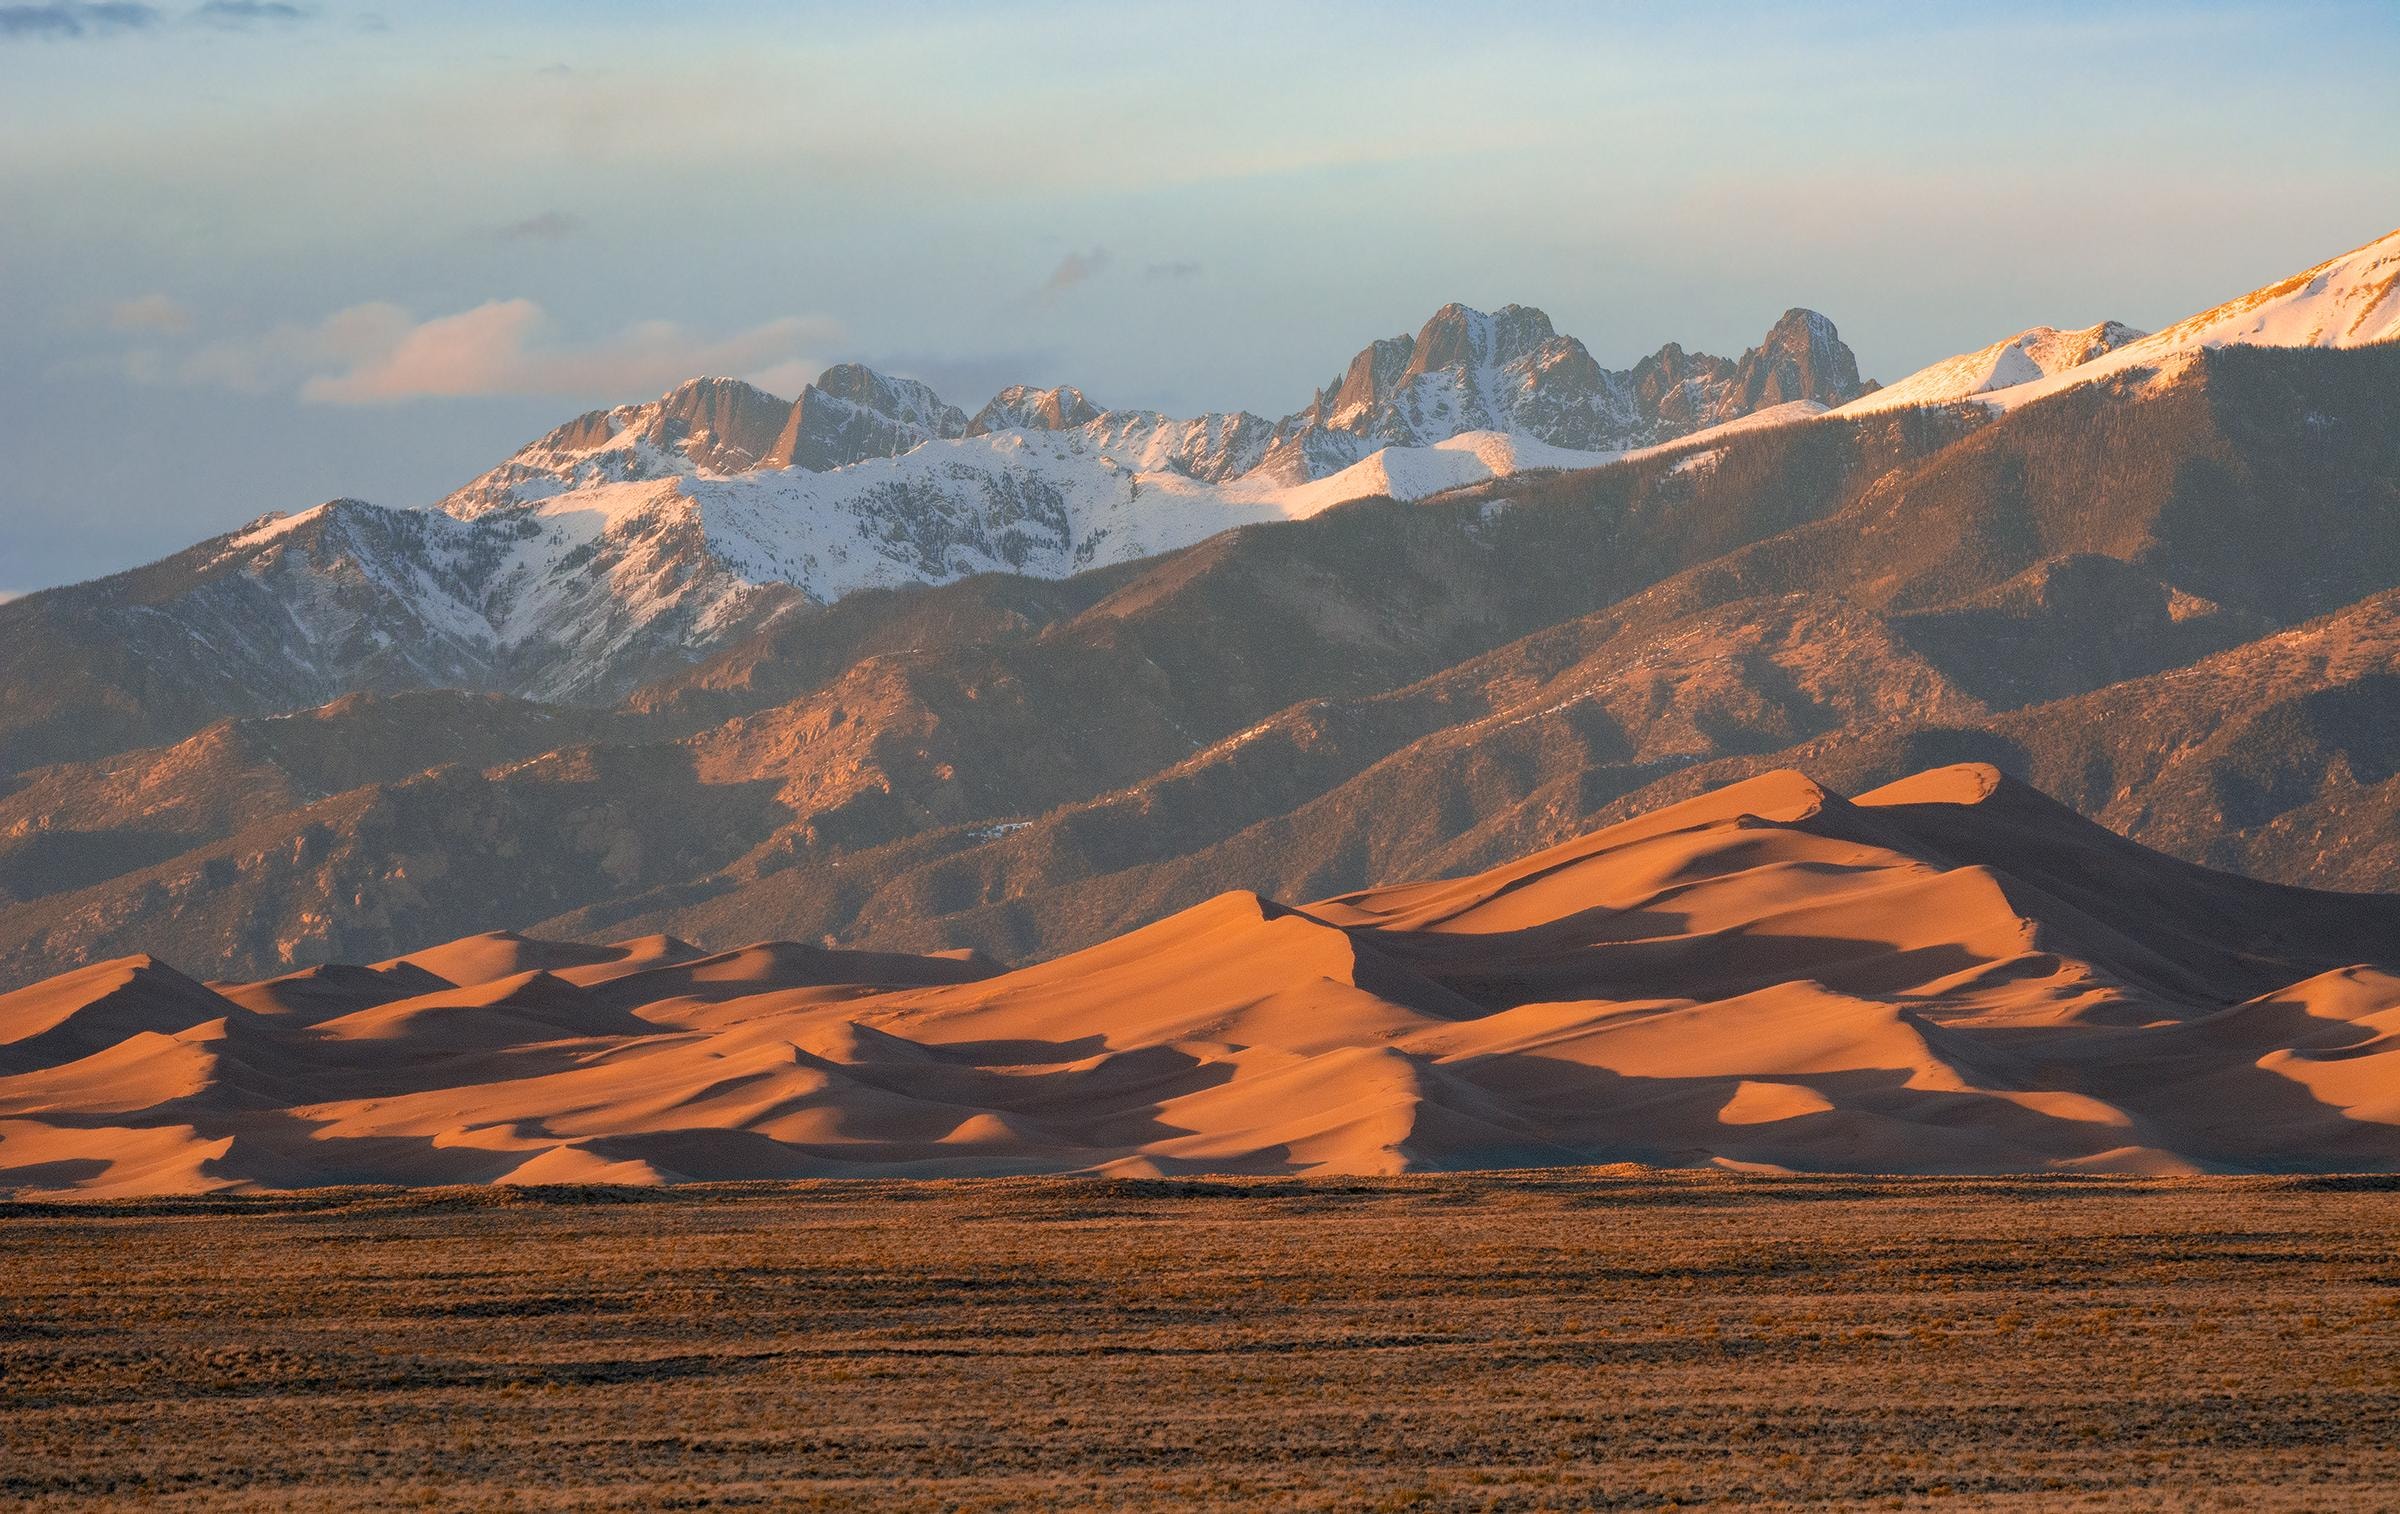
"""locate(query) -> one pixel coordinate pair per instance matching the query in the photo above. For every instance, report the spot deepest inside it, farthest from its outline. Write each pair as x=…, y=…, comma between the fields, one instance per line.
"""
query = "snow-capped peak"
x=2349, y=301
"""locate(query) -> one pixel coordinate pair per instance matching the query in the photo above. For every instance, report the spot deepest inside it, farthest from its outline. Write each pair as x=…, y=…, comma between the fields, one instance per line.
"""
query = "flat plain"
x=1597, y=1338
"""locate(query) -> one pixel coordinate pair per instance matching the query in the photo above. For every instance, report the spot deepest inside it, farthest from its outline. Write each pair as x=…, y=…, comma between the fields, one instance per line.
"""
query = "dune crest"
x=1950, y=973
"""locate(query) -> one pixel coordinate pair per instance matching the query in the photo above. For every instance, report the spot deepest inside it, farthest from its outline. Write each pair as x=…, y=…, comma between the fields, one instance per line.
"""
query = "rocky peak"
x=852, y=413
x=723, y=425
x=1802, y=358
x=1461, y=337
x=1020, y=407
x=904, y=400
x=1368, y=381
x=1512, y=371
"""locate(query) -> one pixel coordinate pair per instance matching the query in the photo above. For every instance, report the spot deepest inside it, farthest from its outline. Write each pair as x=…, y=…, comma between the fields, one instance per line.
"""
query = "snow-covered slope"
x=2349, y=301
x=1472, y=457
x=2021, y=359
x=574, y=592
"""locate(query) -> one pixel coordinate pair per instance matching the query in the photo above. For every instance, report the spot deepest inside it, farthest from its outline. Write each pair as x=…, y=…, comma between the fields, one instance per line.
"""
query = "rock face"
x=1803, y=358
x=1018, y=408
x=852, y=413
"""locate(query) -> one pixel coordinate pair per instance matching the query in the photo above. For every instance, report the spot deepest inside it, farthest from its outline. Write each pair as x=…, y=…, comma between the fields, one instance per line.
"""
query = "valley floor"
x=1598, y=1338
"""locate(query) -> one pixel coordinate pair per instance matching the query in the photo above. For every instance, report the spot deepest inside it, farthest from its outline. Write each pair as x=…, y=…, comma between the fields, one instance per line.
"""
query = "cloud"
x=242, y=15
x=152, y=313
x=61, y=20
x=1180, y=269
x=290, y=353
x=75, y=18
x=1076, y=268
x=378, y=354
x=548, y=226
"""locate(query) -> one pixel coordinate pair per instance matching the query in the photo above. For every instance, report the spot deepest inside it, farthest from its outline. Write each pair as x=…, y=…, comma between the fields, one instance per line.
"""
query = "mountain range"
x=629, y=541
x=863, y=671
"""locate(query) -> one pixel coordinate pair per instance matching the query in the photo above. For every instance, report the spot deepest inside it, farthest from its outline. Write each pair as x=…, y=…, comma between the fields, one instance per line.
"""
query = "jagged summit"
x=1511, y=371
x=1465, y=370
x=903, y=399
x=1020, y=407
x=1458, y=336
x=852, y=413
x=1802, y=358
x=720, y=426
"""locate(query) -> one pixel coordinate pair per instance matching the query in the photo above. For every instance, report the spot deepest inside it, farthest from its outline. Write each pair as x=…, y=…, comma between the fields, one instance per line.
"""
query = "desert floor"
x=1583, y=1339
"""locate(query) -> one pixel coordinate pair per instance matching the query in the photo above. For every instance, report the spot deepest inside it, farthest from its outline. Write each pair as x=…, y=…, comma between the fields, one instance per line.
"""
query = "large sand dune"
x=1948, y=974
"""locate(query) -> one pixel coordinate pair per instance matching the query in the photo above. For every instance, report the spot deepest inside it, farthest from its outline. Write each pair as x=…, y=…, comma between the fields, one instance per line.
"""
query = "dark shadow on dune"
x=65, y=1173
x=1645, y=953
x=779, y=965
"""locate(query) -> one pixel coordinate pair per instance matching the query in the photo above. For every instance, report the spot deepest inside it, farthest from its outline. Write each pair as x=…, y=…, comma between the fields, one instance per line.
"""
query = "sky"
x=255, y=255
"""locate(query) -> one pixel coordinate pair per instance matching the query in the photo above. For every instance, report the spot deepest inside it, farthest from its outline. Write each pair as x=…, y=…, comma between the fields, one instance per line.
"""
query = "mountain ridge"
x=632, y=538
x=2090, y=590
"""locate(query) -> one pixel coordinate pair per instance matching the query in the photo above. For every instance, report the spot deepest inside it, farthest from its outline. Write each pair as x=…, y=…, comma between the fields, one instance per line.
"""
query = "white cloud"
x=292, y=353
x=380, y=354
x=152, y=313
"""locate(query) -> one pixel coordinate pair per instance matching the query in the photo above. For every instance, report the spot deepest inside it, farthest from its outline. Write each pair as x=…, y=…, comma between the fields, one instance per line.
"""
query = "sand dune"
x=1948, y=974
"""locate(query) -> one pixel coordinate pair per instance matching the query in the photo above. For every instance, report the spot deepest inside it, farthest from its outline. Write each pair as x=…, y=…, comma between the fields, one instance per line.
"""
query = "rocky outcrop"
x=852, y=413
x=1021, y=408
x=1511, y=371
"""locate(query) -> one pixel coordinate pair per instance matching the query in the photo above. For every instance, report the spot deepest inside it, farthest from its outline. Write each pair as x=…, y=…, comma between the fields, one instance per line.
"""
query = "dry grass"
x=1494, y=1341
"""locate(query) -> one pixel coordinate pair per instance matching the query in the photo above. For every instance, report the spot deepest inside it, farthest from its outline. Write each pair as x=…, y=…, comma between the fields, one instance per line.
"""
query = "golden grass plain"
x=1596, y=1338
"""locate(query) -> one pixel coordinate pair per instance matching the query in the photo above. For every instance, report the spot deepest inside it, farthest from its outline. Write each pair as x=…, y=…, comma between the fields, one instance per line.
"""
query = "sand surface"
x=1446, y=1342
x=1947, y=975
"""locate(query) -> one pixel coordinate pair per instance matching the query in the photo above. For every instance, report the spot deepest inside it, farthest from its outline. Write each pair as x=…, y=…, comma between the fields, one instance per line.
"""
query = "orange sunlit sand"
x=1947, y=974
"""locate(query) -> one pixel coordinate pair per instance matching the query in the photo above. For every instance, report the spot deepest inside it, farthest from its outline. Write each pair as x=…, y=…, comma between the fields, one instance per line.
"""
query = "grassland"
x=1593, y=1339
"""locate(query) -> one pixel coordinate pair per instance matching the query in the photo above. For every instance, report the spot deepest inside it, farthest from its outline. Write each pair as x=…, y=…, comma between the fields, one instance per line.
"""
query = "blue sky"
x=253, y=255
